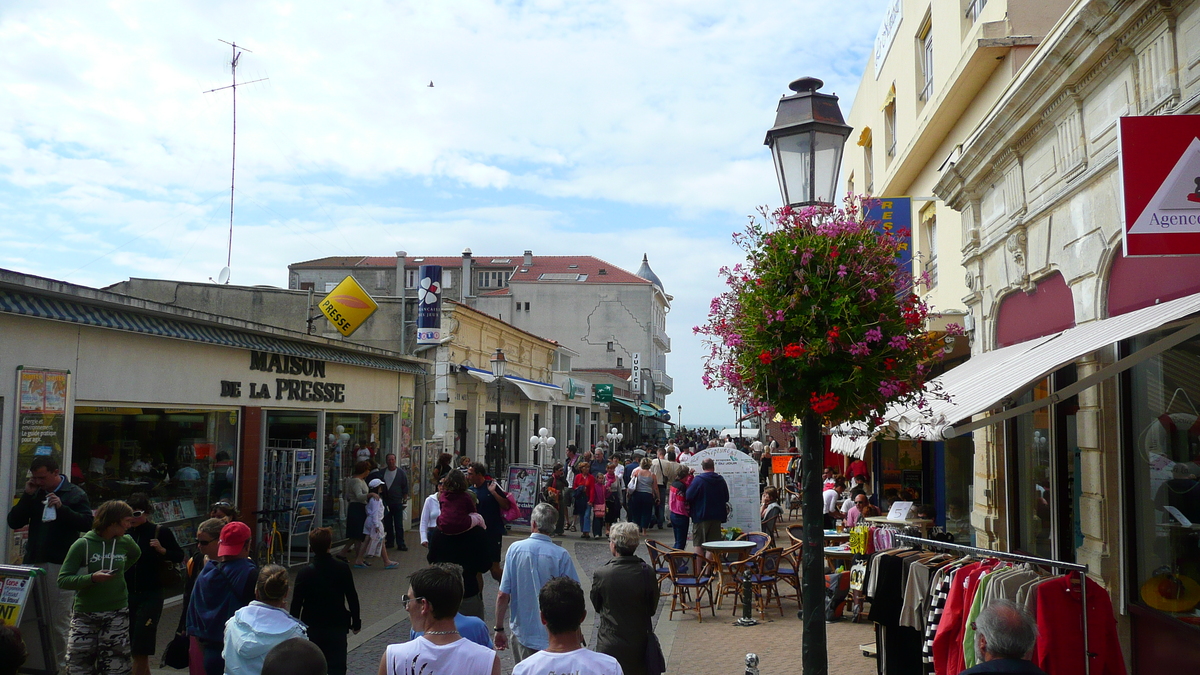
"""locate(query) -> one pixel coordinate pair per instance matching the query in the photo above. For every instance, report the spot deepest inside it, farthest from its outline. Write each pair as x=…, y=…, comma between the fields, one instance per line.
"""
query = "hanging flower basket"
x=819, y=319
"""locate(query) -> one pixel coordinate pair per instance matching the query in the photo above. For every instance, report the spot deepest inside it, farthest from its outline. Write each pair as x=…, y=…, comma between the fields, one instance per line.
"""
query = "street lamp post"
x=499, y=365
x=679, y=416
x=614, y=440
x=543, y=441
x=806, y=144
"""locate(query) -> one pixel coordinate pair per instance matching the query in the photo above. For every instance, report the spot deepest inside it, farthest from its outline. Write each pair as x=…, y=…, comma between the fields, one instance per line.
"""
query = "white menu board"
x=740, y=472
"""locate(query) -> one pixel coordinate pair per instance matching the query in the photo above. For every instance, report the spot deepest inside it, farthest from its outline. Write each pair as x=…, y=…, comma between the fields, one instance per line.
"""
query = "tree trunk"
x=814, y=656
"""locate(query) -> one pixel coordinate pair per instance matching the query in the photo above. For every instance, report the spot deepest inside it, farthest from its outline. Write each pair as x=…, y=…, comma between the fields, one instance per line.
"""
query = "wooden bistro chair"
x=794, y=504
x=789, y=568
x=764, y=579
x=768, y=525
x=761, y=541
x=691, y=579
x=796, y=533
x=658, y=562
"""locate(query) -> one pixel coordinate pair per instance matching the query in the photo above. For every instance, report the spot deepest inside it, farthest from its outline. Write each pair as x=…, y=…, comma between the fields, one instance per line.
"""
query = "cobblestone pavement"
x=715, y=647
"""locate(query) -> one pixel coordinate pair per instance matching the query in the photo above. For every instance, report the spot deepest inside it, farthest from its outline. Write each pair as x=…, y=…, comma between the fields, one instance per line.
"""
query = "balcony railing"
x=663, y=380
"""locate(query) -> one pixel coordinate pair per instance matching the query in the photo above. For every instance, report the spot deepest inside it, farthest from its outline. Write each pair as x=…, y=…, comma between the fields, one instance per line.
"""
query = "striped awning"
x=41, y=307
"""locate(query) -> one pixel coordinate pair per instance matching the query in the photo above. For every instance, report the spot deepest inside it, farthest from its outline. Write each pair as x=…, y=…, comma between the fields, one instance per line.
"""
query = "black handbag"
x=176, y=653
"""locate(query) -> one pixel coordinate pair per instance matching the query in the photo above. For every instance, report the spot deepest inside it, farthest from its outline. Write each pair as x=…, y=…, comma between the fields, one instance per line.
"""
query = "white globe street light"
x=543, y=441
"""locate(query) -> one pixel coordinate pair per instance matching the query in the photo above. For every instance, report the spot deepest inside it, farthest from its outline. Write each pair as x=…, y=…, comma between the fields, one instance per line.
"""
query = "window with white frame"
x=925, y=57
x=929, y=244
x=889, y=128
x=410, y=278
x=974, y=9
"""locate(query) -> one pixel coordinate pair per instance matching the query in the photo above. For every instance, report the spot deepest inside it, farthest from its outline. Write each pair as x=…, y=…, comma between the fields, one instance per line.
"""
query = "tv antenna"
x=223, y=278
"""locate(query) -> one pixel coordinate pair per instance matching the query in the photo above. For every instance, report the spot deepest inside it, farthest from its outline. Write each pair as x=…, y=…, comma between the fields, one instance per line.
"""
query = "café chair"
x=796, y=533
x=795, y=505
x=658, y=552
x=691, y=579
x=764, y=579
x=761, y=541
x=789, y=567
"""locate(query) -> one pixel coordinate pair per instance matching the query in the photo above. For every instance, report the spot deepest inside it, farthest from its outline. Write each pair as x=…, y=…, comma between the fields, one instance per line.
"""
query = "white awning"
x=988, y=378
x=851, y=446
x=536, y=391
x=485, y=376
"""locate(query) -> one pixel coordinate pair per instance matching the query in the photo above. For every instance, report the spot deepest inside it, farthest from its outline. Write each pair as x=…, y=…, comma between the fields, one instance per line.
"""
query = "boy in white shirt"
x=563, y=610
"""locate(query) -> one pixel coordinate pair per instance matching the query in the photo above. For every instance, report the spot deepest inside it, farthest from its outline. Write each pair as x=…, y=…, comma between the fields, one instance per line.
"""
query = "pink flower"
x=873, y=335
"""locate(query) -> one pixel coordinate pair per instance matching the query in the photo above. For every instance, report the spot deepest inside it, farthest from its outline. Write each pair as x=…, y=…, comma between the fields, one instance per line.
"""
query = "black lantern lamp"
x=806, y=144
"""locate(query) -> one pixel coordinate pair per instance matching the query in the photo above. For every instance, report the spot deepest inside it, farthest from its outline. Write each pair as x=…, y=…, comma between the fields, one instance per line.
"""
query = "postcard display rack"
x=290, y=490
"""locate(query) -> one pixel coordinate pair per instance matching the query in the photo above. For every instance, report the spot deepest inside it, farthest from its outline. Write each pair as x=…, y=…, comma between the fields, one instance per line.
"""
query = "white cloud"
x=605, y=127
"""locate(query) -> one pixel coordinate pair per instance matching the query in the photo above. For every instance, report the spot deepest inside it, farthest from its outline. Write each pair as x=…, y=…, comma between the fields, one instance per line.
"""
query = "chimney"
x=466, y=274
x=400, y=258
x=528, y=258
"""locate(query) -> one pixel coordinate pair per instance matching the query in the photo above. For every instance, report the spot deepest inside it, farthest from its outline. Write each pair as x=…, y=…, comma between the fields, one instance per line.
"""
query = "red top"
x=1059, y=648
x=588, y=482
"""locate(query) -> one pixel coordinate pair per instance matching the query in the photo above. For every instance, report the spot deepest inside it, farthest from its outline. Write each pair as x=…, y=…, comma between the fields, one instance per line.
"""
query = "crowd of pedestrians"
x=237, y=618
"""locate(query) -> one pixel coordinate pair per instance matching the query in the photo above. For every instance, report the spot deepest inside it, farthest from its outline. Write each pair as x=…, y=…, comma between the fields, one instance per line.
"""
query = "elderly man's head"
x=1004, y=631
x=543, y=518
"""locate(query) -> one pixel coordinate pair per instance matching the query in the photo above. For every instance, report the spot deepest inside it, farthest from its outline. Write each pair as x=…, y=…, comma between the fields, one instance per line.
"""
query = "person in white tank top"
x=432, y=600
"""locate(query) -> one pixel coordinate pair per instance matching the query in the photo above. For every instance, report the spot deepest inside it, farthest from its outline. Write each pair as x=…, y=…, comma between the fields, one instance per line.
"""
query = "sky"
x=601, y=127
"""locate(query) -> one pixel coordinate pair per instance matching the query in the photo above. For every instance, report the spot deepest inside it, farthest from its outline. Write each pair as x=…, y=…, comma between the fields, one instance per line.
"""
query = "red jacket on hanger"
x=1059, y=648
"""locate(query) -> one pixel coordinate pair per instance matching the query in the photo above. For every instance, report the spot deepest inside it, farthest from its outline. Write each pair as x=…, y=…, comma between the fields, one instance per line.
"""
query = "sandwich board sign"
x=25, y=604
x=347, y=306
x=1160, y=184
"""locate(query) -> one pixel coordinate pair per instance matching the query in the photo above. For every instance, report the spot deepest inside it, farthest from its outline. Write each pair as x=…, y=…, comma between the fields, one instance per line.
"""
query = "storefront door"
x=501, y=441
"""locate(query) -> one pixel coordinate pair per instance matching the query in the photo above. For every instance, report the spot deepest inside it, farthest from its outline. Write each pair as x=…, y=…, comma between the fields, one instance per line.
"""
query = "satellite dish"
x=223, y=277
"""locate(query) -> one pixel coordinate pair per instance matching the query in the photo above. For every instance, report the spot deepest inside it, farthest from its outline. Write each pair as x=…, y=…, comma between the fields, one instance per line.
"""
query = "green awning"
x=643, y=409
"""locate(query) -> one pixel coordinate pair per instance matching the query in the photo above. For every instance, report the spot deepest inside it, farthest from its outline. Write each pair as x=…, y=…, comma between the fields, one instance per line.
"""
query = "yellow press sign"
x=347, y=306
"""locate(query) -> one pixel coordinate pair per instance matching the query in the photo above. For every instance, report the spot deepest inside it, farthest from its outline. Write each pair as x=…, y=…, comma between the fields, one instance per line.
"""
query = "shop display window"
x=1160, y=397
x=959, y=457
x=1043, y=461
x=902, y=474
x=1030, y=488
x=184, y=459
x=349, y=438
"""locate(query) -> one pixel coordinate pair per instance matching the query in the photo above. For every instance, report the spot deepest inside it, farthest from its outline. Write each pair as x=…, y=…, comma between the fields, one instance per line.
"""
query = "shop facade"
x=131, y=396
x=1080, y=395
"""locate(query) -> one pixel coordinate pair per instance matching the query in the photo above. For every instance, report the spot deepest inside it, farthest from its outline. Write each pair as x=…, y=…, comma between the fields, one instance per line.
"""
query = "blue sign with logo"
x=894, y=215
x=429, y=305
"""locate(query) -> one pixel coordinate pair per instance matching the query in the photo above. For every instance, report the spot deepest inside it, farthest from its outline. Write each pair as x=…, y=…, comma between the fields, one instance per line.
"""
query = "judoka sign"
x=1160, y=184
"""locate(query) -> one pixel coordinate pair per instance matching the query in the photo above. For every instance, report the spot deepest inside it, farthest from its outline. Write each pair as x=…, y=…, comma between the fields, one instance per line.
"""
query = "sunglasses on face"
x=407, y=600
x=204, y=542
x=138, y=514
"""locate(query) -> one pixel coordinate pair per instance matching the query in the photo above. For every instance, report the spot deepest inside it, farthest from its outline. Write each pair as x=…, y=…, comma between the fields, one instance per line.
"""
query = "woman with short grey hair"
x=625, y=597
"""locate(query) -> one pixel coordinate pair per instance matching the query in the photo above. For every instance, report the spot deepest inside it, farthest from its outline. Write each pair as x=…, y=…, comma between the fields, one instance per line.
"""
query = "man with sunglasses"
x=432, y=600
x=144, y=581
x=862, y=509
x=56, y=511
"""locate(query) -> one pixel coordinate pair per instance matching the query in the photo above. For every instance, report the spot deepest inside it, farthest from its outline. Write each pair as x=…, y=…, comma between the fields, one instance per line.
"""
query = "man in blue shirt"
x=707, y=499
x=529, y=564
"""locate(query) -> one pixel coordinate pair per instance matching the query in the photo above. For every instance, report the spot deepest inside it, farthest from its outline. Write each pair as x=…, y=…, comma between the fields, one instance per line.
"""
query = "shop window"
x=954, y=509
x=349, y=438
x=902, y=474
x=184, y=459
x=1043, y=461
x=1160, y=399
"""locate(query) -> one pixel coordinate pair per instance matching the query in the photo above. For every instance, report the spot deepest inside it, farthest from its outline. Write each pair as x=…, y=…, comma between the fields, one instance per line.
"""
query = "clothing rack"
x=1016, y=557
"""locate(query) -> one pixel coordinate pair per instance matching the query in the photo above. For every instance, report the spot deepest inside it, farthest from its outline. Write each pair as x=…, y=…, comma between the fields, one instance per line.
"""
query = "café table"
x=725, y=578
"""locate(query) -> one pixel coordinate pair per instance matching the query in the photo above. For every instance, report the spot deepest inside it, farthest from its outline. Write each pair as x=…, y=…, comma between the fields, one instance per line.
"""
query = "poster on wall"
x=740, y=472
x=406, y=426
x=523, y=487
x=41, y=418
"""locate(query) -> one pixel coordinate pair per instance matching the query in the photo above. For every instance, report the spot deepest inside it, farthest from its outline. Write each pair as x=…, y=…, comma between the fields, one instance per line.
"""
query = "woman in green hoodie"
x=98, y=641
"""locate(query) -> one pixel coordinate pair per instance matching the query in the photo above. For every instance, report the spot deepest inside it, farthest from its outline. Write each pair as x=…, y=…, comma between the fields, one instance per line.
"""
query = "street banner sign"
x=894, y=215
x=347, y=306
x=429, y=305
x=635, y=379
x=1160, y=184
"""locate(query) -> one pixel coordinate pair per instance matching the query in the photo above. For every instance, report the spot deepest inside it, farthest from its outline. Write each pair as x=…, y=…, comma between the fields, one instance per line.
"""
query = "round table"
x=725, y=578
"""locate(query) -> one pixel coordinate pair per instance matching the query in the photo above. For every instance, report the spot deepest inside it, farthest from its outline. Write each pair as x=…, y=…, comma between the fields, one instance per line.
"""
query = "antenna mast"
x=233, y=63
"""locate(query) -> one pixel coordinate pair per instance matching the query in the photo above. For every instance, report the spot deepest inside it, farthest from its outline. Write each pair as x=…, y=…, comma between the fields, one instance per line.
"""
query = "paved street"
x=714, y=646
